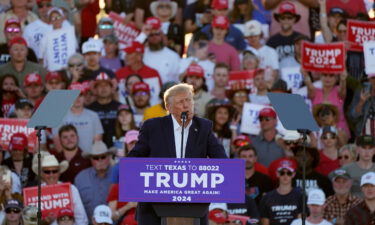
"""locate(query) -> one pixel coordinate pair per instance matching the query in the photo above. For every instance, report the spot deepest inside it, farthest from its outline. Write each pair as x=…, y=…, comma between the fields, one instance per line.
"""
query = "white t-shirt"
x=259, y=99
x=35, y=31
x=299, y=221
x=88, y=126
x=165, y=61
x=207, y=65
x=268, y=57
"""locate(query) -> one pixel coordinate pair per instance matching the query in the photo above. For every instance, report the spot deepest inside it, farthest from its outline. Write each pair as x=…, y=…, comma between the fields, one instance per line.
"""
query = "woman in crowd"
x=329, y=153
x=249, y=61
x=220, y=112
x=242, y=11
x=238, y=94
x=74, y=68
x=111, y=59
x=10, y=92
x=347, y=154
x=124, y=121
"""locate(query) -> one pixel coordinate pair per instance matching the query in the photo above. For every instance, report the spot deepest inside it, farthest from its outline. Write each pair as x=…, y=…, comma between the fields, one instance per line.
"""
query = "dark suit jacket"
x=156, y=139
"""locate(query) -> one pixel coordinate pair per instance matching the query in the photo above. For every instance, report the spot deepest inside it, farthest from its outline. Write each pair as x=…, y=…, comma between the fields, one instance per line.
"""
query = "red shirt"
x=6, y=105
x=145, y=72
x=326, y=165
x=76, y=165
x=88, y=18
x=113, y=196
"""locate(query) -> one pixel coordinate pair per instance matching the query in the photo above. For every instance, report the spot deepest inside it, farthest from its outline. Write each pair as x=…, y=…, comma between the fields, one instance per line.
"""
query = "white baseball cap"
x=368, y=178
x=222, y=206
x=91, y=46
x=316, y=197
x=103, y=214
x=252, y=28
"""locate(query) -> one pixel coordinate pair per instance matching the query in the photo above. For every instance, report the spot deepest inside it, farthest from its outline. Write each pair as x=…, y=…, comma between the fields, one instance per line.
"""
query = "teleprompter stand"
x=294, y=114
x=50, y=114
x=181, y=213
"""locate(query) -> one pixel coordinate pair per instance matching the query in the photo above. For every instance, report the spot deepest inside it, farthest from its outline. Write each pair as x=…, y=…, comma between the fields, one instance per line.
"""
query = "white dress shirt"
x=177, y=137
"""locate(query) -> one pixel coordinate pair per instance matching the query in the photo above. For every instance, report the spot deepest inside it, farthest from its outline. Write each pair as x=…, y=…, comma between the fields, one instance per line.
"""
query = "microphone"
x=184, y=115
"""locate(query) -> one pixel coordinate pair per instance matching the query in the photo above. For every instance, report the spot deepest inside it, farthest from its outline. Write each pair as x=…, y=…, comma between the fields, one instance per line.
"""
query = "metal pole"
x=39, y=135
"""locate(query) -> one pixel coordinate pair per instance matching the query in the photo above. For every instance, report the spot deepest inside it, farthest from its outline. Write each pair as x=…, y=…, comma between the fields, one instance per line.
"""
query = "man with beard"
x=71, y=152
x=257, y=184
x=141, y=98
x=159, y=57
x=194, y=75
x=220, y=78
x=284, y=40
x=105, y=106
x=20, y=160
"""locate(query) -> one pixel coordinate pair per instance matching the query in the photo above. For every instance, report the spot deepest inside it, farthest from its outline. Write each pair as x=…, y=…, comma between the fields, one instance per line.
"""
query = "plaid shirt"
x=360, y=215
x=336, y=210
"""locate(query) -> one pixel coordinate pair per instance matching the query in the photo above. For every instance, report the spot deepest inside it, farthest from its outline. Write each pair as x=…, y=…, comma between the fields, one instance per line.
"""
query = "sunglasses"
x=325, y=113
x=154, y=34
x=65, y=218
x=105, y=26
x=283, y=173
x=141, y=93
x=343, y=157
x=287, y=17
x=41, y=5
x=164, y=6
x=75, y=64
x=328, y=136
x=290, y=142
x=55, y=18
x=264, y=119
x=240, y=94
x=13, y=29
x=50, y=171
x=202, y=44
x=99, y=157
x=12, y=210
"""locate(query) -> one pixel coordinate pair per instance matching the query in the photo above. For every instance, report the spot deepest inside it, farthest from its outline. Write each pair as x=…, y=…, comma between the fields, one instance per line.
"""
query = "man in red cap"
x=283, y=41
x=34, y=87
x=134, y=65
x=12, y=29
x=141, y=98
x=20, y=161
x=194, y=75
x=19, y=65
x=105, y=106
x=234, y=36
x=54, y=81
x=265, y=143
x=222, y=51
x=283, y=204
x=65, y=217
x=157, y=55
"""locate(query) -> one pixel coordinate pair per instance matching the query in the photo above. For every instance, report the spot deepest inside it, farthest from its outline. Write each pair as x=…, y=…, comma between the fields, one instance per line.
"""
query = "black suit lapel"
x=192, y=139
x=169, y=136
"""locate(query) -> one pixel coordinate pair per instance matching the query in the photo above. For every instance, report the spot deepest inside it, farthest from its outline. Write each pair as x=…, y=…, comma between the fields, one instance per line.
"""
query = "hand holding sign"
x=359, y=32
x=323, y=58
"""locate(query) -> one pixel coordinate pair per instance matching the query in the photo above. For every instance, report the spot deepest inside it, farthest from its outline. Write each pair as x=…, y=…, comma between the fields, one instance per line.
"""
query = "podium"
x=180, y=190
x=181, y=213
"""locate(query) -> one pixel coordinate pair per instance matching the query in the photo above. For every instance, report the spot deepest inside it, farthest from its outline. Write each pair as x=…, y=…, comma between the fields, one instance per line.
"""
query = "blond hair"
x=177, y=89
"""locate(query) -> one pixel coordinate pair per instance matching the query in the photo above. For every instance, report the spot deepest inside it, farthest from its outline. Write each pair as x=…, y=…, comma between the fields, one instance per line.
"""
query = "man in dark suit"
x=161, y=138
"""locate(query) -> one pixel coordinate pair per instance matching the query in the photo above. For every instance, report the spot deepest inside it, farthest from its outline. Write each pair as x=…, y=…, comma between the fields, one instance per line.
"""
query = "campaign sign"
x=250, y=119
x=182, y=180
x=369, y=52
x=241, y=80
x=359, y=32
x=8, y=127
x=293, y=77
x=323, y=58
x=53, y=198
x=126, y=33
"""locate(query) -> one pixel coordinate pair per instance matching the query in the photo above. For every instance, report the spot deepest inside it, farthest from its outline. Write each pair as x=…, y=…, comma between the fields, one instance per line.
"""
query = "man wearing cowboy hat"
x=51, y=170
x=95, y=179
x=283, y=41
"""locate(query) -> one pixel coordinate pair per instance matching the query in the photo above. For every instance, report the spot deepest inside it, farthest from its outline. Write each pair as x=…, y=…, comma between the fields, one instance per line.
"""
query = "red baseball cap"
x=18, y=141
x=17, y=40
x=195, y=70
x=287, y=164
x=53, y=75
x=40, y=1
x=241, y=140
x=220, y=22
x=219, y=4
x=140, y=86
x=83, y=87
x=12, y=21
x=32, y=78
x=218, y=216
x=135, y=46
x=267, y=112
x=103, y=77
x=65, y=212
x=287, y=7
x=154, y=22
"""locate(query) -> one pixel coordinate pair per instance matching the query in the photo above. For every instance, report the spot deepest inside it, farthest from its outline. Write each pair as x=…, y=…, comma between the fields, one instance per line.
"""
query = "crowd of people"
x=59, y=44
